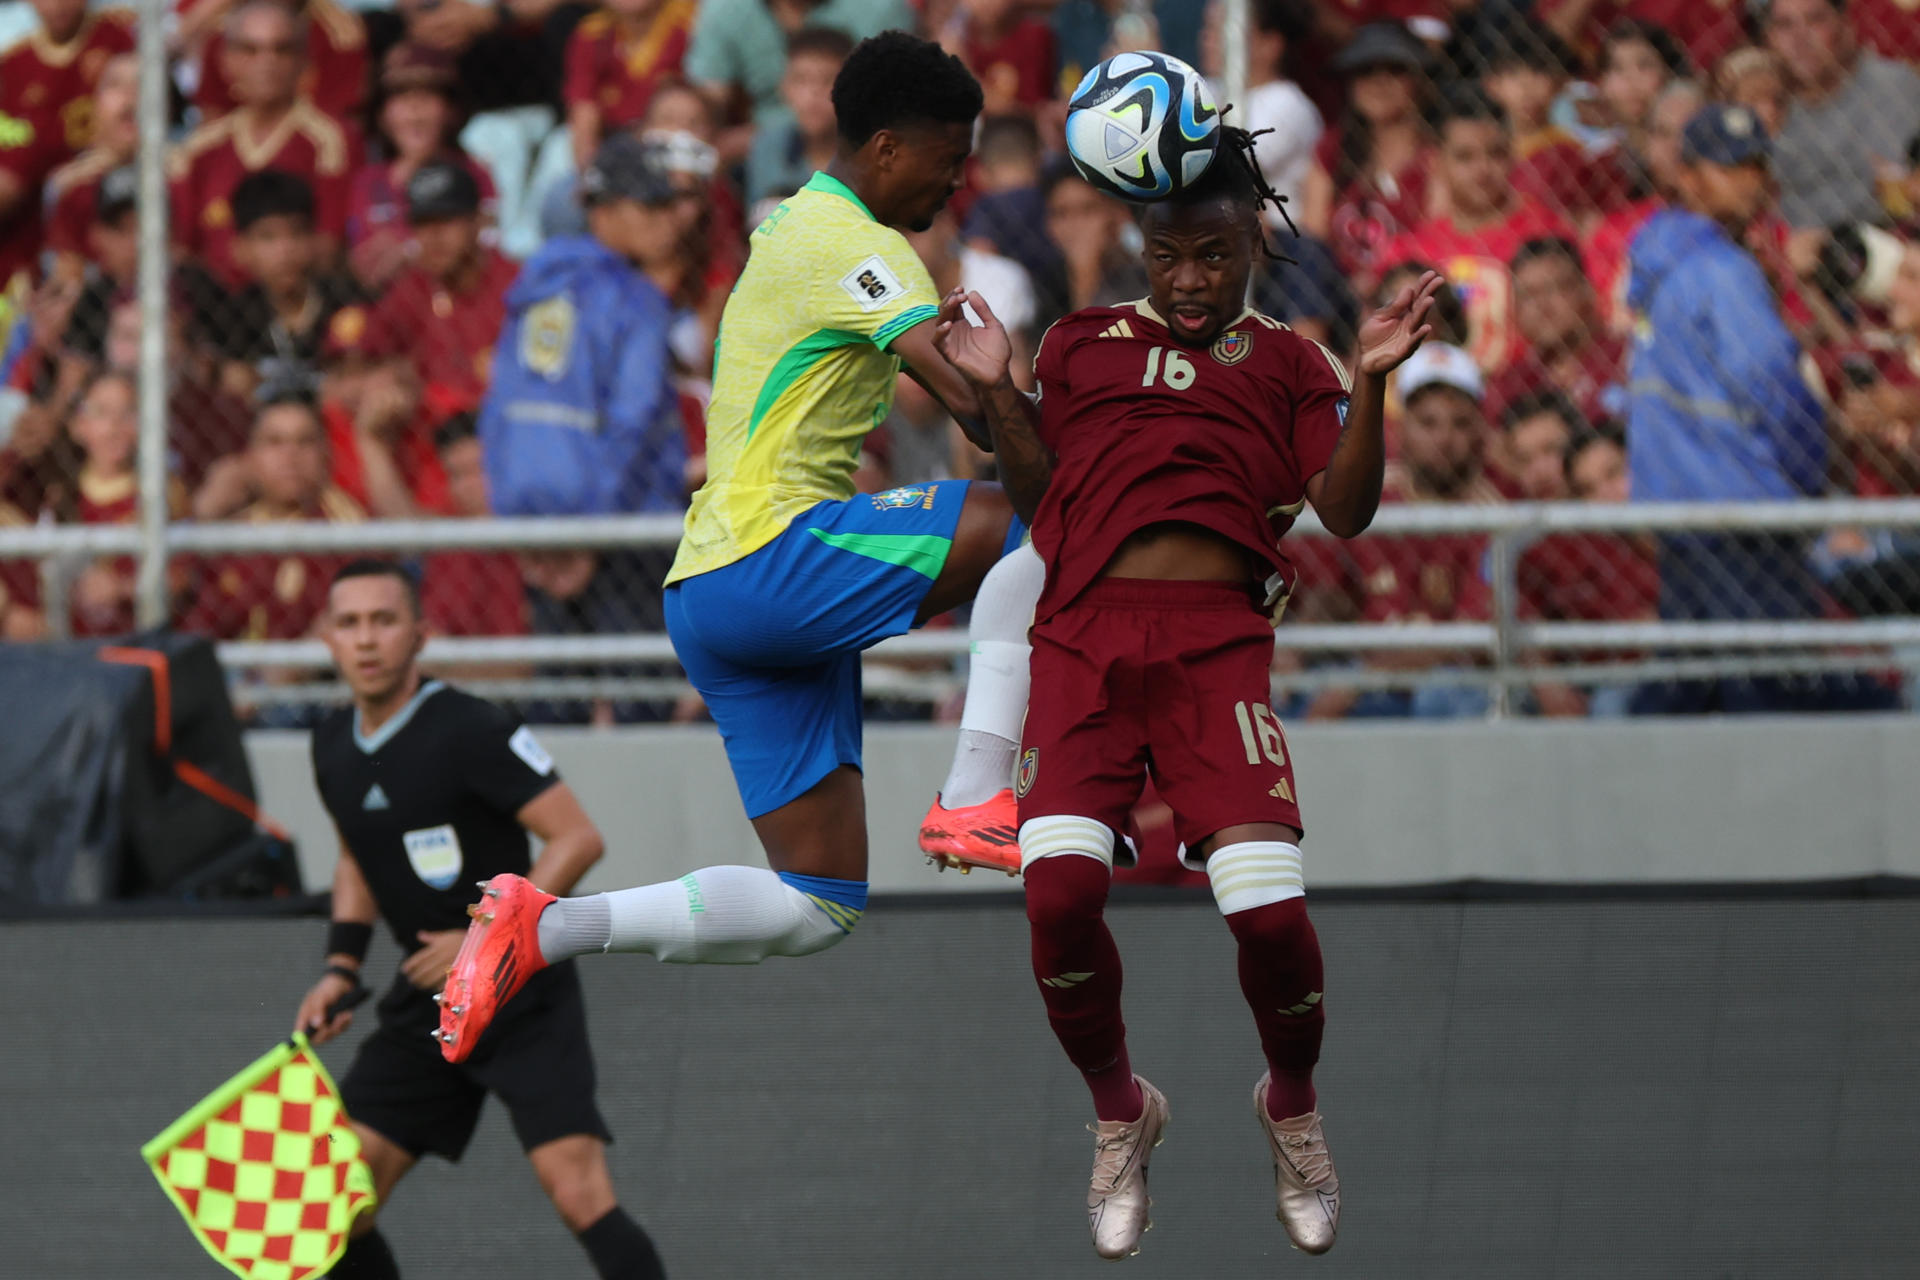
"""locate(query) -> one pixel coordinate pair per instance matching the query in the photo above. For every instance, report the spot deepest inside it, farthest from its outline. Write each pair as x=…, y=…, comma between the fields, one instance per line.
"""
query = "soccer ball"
x=1142, y=126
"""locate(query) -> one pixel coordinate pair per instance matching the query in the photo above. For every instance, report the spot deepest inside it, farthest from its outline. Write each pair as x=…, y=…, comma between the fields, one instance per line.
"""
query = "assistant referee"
x=431, y=790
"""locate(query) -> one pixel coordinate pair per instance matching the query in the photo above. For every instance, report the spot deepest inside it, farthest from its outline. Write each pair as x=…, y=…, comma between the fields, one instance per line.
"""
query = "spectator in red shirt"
x=616, y=58
x=1485, y=224
x=1891, y=28
x=418, y=123
x=73, y=190
x=444, y=312
x=1637, y=61
x=1016, y=58
x=1369, y=178
x=265, y=596
x=1524, y=73
x=20, y=618
x=106, y=427
x=335, y=75
x=1605, y=247
x=1707, y=28
x=1567, y=349
x=1427, y=577
x=46, y=92
x=471, y=593
x=1539, y=428
x=272, y=128
x=1582, y=577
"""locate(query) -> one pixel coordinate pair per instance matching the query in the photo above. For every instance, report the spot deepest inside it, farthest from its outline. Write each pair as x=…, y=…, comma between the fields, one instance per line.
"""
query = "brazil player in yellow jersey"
x=785, y=574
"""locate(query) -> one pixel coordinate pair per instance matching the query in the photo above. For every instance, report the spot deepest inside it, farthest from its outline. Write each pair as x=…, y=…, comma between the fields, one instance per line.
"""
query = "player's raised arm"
x=1347, y=493
x=919, y=348
x=983, y=355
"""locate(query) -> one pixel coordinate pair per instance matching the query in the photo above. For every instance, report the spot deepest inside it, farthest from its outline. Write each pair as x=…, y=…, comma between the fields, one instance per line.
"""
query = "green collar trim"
x=823, y=181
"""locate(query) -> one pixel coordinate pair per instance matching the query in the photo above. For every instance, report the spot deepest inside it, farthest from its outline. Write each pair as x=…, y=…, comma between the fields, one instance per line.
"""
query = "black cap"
x=625, y=168
x=439, y=191
x=1381, y=44
x=1725, y=135
x=119, y=192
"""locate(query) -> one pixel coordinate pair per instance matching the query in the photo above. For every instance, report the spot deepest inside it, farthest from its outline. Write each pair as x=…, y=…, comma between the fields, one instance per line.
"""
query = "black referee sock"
x=621, y=1249
x=367, y=1258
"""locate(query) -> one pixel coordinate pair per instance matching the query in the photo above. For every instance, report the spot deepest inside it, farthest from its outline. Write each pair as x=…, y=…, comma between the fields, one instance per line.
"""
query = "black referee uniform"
x=426, y=805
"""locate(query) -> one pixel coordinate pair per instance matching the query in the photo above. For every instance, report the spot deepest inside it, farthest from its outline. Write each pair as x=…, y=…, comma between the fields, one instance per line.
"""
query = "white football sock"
x=996, y=679
x=716, y=915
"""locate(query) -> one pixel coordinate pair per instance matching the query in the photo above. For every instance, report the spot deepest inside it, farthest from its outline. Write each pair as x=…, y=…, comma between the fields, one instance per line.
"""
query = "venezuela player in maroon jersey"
x=1176, y=440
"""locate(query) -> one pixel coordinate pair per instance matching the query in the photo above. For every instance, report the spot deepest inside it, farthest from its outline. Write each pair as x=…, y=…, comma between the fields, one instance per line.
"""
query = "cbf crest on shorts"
x=919, y=495
x=1028, y=771
x=1233, y=346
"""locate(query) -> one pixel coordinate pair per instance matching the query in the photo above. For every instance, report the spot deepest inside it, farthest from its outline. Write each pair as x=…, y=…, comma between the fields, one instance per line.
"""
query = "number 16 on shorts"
x=1260, y=733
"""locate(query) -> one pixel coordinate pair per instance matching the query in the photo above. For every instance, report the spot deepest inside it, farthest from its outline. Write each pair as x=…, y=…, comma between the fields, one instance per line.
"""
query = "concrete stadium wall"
x=1402, y=804
x=1534, y=1091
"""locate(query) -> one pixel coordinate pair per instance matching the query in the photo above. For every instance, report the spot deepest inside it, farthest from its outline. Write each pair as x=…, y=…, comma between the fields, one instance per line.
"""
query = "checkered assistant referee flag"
x=266, y=1170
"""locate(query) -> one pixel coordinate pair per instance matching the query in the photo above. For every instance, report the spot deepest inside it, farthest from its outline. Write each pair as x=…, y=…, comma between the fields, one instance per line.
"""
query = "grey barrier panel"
x=1569, y=1089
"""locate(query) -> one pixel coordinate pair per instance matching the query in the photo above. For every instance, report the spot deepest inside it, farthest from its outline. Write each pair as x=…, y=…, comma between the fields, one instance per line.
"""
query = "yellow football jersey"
x=802, y=370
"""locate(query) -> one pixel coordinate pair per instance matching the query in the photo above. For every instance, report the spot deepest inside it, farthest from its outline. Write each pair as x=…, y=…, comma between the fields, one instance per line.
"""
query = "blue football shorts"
x=773, y=640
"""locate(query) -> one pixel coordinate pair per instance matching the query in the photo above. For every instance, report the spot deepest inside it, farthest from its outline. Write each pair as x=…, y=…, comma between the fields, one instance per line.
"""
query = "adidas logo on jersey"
x=376, y=798
x=1118, y=329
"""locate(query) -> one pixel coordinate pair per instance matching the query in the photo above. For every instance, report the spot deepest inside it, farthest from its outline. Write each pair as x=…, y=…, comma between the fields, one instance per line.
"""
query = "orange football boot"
x=979, y=835
x=501, y=951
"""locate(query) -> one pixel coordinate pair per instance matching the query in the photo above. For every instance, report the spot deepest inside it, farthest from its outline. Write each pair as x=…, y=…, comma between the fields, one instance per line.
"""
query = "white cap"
x=1436, y=362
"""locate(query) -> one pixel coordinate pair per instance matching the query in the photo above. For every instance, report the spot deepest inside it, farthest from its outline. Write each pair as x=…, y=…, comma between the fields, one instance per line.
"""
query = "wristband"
x=351, y=975
x=349, y=938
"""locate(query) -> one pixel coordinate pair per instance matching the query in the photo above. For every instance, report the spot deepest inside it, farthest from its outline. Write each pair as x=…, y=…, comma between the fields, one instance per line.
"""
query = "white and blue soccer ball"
x=1142, y=126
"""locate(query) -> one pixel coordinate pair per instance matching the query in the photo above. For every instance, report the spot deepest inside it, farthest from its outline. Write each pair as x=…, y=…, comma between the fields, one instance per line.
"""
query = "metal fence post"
x=1502, y=560
x=1235, y=21
x=150, y=587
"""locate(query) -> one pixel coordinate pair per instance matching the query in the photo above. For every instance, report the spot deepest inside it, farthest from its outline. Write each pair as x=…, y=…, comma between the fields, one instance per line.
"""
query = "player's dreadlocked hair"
x=895, y=79
x=1235, y=176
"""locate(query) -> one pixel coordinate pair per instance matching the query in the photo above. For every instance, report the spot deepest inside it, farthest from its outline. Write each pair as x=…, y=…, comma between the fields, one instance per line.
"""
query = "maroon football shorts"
x=1172, y=677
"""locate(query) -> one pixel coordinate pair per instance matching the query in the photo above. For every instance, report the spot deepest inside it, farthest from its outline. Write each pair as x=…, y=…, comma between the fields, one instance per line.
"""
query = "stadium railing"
x=1502, y=653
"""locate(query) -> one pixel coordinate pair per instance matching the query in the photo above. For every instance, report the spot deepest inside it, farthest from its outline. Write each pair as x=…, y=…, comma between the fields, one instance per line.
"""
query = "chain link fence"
x=374, y=208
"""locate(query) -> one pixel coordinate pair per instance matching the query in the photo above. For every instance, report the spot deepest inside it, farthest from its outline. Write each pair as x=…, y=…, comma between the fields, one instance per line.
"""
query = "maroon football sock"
x=1078, y=969
x=1281, y=976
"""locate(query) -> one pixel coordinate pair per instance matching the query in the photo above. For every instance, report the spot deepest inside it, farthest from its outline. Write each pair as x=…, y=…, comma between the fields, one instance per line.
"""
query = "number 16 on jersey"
x=1174, y=370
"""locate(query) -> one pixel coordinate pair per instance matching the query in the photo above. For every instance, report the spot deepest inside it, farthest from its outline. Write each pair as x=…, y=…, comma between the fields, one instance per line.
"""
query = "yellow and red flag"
x=266, y=1170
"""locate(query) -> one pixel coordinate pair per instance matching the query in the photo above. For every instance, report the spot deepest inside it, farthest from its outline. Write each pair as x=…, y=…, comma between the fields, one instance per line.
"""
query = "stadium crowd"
x=446, y=259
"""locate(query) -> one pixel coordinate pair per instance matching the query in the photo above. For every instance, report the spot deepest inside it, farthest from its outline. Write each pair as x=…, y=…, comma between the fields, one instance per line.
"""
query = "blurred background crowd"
x=1676, y=235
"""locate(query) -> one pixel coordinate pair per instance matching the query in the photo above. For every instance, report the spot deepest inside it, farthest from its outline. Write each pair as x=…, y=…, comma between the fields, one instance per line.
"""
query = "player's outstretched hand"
x=312, y=1017
x=427, y=967
x=981, y=352
x=1396, y=330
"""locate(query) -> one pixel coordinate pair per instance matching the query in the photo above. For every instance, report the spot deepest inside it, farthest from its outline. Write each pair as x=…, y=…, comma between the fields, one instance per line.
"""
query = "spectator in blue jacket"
x=1718, y=409
x=581, y=417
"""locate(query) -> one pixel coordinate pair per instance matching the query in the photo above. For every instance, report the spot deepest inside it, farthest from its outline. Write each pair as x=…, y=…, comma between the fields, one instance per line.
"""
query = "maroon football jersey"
x=1145, y=429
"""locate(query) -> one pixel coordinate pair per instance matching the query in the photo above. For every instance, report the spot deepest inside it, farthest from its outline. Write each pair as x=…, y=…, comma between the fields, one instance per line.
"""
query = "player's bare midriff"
x=1173, y=551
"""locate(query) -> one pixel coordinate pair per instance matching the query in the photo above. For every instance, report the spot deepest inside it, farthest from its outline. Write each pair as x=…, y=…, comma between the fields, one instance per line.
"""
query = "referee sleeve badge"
x=528, y=748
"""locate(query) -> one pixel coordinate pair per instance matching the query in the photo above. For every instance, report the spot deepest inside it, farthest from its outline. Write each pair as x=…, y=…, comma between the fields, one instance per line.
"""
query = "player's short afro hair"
x=896, y=79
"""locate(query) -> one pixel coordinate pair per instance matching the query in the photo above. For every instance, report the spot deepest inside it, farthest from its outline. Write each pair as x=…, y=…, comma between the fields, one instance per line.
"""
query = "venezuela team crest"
x=1029, y=766
x=1233, y=346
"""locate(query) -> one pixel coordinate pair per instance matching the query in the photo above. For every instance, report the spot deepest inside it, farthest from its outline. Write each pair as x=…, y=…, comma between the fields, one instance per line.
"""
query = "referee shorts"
x=537, y=1061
